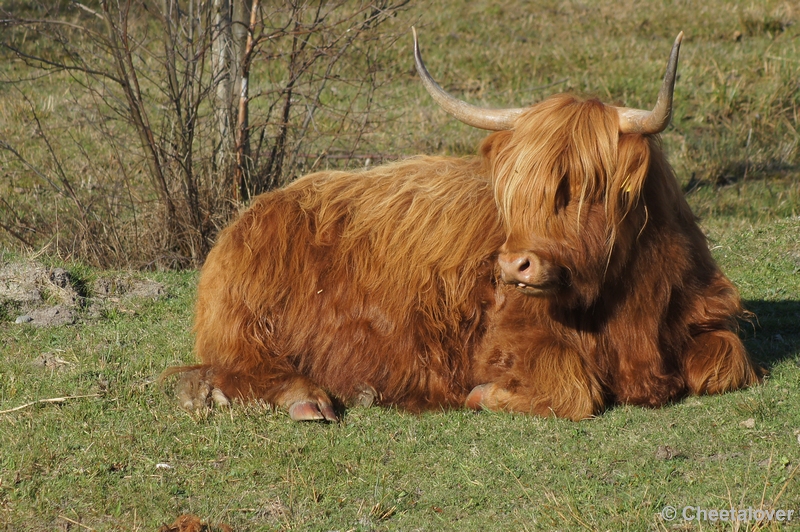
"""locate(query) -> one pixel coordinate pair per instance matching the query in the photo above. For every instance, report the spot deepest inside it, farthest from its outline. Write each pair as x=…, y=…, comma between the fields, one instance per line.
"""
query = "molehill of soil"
x=40, y=296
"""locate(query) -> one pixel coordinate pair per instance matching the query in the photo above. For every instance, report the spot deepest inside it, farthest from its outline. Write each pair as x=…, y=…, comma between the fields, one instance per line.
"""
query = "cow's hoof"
x=219, y=398
x=195, y=392
x=367, y=396
x=312, y=411
x=488, y=396
x=475, y=399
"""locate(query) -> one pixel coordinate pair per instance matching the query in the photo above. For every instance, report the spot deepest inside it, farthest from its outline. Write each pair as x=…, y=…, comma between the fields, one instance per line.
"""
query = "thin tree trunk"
x=241, y=191
x=223, y=69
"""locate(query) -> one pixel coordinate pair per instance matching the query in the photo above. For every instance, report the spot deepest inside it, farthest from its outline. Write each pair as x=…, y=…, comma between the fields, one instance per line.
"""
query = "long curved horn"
x=491, y=119
x=657, y=120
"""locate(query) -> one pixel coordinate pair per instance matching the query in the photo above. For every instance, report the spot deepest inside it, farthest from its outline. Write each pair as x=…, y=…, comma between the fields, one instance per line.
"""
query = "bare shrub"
x=174, y=114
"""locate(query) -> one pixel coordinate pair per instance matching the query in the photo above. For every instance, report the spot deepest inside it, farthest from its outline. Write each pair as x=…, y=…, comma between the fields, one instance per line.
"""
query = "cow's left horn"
x=655, y=121
x=491, y=119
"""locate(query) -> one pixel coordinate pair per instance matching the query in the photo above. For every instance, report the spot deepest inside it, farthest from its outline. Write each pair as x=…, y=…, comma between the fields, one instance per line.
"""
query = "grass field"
x=120, y=455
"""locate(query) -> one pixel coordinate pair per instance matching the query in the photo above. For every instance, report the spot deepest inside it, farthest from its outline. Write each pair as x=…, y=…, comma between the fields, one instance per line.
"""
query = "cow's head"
x=568, y=179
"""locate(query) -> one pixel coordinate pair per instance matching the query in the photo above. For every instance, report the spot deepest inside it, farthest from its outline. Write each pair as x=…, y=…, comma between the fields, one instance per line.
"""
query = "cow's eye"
x=562, y=195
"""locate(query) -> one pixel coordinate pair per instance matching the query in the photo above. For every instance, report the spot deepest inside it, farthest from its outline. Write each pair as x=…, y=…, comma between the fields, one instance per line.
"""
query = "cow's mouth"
x=540, y=290
x=559, y=279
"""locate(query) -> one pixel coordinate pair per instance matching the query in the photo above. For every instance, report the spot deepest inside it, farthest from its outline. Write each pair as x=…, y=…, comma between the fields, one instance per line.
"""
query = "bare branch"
x=8, y=147
x=88, y=10
x=61, y=66
x=11, y=231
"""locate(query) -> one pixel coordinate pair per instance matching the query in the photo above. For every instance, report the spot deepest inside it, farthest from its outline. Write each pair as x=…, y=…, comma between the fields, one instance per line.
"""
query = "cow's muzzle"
x=530, y=274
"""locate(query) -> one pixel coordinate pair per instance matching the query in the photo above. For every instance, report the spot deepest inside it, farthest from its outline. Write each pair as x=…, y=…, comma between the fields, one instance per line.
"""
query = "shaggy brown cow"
x=556, y=274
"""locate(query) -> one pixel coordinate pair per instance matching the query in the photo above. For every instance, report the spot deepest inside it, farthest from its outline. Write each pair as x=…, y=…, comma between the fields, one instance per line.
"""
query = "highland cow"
x=558, y=273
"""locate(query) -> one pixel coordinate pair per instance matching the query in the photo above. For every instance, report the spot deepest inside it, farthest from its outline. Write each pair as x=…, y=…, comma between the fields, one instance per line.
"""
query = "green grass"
x=733, y=142
x=94, y=460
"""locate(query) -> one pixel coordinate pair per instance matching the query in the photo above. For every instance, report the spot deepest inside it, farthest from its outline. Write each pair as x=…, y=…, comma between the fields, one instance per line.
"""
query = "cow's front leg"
x=716, y=362
x=548, y=381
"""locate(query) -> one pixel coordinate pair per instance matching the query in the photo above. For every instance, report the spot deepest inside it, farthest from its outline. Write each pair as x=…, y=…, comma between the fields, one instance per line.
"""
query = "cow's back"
x=375, y=278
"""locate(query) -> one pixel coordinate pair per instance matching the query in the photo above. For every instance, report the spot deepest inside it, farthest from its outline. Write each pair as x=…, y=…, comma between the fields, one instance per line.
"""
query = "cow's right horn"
x=657, y=120
x=491, y=119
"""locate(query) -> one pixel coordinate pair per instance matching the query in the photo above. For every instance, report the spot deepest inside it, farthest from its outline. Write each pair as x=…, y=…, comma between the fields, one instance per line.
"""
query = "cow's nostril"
x=524, y=264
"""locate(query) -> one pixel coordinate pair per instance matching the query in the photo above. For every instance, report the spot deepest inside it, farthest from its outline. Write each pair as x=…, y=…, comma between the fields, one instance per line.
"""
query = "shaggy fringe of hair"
x=564, y=149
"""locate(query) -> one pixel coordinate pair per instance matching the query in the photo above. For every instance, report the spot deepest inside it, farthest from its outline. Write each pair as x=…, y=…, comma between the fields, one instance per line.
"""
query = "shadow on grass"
x=741, y=171
x=774, y=334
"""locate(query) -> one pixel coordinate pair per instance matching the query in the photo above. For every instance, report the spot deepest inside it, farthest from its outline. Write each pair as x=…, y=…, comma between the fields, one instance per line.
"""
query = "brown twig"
x=75, y=522
x=49, y=400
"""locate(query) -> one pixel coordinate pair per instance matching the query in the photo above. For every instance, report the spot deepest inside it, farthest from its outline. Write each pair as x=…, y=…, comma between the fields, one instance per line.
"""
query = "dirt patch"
x=34, y=294
x=122, y=293
x=665, y=452
x=192, y=523
x=28, y=283
x=126, y=287
x=38, y=295
x=49, y=317
x=49, y=361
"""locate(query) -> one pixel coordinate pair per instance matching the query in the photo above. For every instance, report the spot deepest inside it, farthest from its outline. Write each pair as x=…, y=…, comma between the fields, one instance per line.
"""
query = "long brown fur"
x=387, y=280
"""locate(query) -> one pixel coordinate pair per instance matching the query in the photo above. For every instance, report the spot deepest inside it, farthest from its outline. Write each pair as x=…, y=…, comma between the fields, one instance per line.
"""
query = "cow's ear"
x=494, y=144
